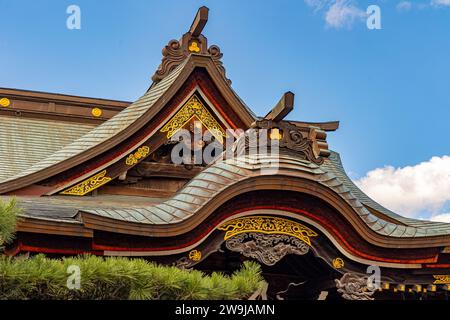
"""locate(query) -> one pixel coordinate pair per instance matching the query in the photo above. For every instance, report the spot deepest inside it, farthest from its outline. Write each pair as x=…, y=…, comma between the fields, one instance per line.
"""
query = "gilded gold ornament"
x=275, y=134
x=88, y=185
x=194, y=108
x=194, y=47
x=338, y=263
x=195, y=255
x=441, y=279
x=4, y=102
x=134, y=158
x=96, y=112
x=267, y=225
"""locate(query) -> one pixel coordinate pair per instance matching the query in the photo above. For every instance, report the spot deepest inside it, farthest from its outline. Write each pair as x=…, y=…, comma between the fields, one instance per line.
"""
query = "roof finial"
x=200, y=20
x=192, y=42
x=282, y=108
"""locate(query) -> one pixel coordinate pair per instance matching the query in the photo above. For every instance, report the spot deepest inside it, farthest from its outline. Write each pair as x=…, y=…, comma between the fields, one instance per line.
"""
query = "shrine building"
x=96, y=176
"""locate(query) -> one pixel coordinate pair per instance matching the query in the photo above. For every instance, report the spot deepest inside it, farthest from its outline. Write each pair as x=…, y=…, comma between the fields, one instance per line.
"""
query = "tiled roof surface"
x=65, y=208
x=24, y=142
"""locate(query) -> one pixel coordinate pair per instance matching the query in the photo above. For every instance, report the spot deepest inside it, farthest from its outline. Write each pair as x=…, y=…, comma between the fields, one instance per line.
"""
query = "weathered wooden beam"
x=283, y=107
x=200, y=20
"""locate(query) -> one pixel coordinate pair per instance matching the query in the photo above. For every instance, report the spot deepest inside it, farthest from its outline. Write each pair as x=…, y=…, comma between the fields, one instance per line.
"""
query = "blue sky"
x=389, y=87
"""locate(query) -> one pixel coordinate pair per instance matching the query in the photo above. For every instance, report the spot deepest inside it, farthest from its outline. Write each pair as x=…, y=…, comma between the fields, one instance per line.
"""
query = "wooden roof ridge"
x=63, y=97
x=46, y=106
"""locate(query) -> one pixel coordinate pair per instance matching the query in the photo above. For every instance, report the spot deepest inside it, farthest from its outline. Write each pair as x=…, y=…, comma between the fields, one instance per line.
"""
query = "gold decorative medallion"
x=88, y=185
x=441, y=279
x=194, y=47
x=267, y=225
x=338, y=263
x=194, y=108
x=4, y=102
x=134, y=158
x=195, y=255
x=97, y=112
x=275, y=134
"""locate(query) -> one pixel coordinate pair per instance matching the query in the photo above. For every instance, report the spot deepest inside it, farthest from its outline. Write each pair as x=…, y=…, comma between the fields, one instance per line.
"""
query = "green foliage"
x=8, y=220
x=120, y=278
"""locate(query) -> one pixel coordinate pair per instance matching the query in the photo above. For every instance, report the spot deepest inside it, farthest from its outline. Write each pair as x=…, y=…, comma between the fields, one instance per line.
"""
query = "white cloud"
x=338, y=13
x=318, y=4
x=411, y=190
x=343, y=14
x=440, y=2
x=444, y=217
x=404, y=6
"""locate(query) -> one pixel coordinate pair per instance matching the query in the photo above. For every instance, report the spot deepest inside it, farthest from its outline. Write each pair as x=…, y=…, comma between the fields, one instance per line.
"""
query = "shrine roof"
x=100, y=133
x=214, y=180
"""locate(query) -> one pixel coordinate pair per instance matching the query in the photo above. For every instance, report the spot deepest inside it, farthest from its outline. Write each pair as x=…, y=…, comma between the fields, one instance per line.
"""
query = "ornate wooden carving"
x=267, y=225
x=173, y=55
x=441, y=279
x=353, y=286
x=88, y=185
x=192, y=42
x=216, y=55
x=266, y=248
x=301, y=140
x=194, y=108
x=135, y=157
x=193, y=257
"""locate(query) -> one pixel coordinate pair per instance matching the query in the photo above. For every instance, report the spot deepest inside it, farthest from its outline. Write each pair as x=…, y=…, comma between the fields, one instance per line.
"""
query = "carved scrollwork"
x=293, y=138
x=266, y=248
x=184, y=263
x=354, y=287
x=441, y=279
x=88, y=185
x=267, y=225
x=173, y=55
x=216, y=56
x=192, y=42
x=135, y=157
x=175, y=52
x=194, y=108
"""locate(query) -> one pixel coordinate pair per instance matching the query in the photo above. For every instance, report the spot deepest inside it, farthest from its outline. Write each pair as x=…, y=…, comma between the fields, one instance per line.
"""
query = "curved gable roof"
x=217, y=178
x=125, y=123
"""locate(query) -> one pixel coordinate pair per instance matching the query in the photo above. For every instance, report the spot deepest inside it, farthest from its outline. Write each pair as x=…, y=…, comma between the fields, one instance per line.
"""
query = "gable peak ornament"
x=192, y=42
